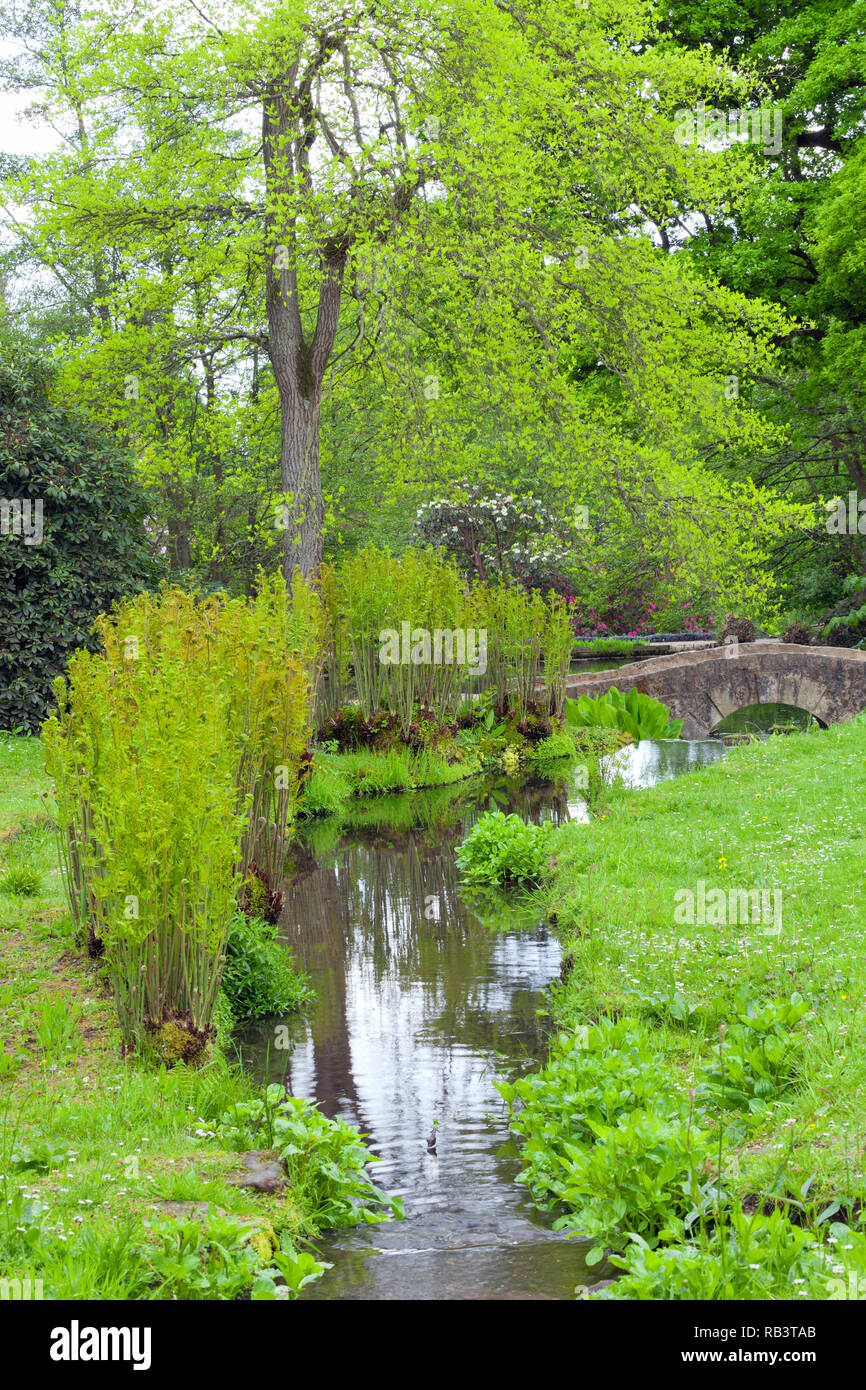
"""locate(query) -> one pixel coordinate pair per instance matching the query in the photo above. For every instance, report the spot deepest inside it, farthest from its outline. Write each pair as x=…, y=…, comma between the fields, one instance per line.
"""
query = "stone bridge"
x=702, y=687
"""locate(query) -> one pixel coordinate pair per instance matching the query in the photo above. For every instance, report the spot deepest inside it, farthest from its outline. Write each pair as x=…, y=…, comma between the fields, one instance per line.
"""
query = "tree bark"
x=299, y=365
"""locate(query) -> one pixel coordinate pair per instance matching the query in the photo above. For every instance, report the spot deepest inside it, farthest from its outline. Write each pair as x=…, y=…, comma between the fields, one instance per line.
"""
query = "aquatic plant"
x=635, y=713
x=502, y=847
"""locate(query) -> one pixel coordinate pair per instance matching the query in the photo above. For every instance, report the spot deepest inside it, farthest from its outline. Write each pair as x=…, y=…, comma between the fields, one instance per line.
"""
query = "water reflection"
x=657, y=760
x=762, y=719
x=421, y=1003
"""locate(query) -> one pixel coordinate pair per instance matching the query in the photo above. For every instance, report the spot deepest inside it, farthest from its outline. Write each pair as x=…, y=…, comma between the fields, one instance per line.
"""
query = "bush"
x=93, y=548
x=741, y=628
x=176, y=753
x=798, y=634
x=500, y=848
x=259, y=977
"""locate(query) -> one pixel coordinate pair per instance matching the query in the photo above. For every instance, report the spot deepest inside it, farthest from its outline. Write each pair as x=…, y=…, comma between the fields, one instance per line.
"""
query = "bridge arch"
x=746, y=720
x=702, y=687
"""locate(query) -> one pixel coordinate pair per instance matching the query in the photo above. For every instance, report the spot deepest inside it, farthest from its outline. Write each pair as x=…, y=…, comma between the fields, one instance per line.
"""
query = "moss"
x=177, y=1040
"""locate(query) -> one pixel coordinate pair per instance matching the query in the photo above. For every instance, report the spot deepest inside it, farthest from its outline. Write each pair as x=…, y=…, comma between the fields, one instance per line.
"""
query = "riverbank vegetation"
x=122, y=1177
x=702, y=1111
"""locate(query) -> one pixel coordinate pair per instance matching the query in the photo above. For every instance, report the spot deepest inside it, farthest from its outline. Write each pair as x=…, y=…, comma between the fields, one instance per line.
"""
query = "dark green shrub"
x=93, y=547
x=259, y=977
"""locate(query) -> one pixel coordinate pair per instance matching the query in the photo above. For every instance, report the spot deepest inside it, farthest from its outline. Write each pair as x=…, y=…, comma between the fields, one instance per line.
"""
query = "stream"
x=423, y=999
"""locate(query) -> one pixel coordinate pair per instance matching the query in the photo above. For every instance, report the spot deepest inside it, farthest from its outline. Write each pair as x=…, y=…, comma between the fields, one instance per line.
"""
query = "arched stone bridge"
x=702, y=687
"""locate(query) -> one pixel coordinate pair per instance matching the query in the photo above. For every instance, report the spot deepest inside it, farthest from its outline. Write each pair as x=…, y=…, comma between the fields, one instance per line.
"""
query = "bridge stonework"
x=702, y=687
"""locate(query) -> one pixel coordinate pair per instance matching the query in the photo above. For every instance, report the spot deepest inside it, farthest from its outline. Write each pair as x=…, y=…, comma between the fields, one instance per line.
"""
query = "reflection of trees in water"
x=391, y=909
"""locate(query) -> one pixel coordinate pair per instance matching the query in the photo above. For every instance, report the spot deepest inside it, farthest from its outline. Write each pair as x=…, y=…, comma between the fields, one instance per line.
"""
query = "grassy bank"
x=732, y=1088
x=117, y=1178
x=339, y=781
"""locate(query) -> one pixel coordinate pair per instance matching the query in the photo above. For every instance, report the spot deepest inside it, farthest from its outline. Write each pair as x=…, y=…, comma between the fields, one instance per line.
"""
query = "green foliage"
x=376, y=592
x=93, y=548
x=503, y=848
x=259, y=977
x=753, y=1257
x=606, y=1134
x=325, y=1160
x=326, y=790
x=635, y=713
x=21, y=881
x=610, y=1134
x=56, y=1026
x=542, y=756
x=191, y=1261
x=176, y=755
x=503, y=641
x=295, y=1268
x=527, y=634
x=756, y=1057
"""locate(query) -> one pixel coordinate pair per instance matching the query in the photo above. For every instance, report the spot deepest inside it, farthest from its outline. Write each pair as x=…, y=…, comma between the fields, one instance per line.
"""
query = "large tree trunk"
x=304, y=517
x=299, y=366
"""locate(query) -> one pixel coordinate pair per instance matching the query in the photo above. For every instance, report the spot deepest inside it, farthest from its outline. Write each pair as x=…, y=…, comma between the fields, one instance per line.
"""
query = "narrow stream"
x=423, y=1000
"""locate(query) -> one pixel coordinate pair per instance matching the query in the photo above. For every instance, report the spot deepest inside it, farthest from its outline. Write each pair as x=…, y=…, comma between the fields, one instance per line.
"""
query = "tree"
x=72, y=538
x=798, y=239
x=401, y=197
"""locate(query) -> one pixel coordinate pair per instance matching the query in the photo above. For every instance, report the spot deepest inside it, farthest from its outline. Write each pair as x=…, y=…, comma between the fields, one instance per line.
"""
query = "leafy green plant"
x=258, y=976
x=750, y=1257
x=176, y=753
x=21, y=881
x=633, y=713
x=325, y=1159
x=755, y=1059
x=501, y=848
x=189, y=1261
x=606, y=1135
x=296, y=1268
x=56, y=1025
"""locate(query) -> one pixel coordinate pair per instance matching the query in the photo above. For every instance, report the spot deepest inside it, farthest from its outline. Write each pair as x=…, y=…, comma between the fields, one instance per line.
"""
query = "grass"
x=784, y=816
x=340, y=777
x=608, y=646
x=92, y=1146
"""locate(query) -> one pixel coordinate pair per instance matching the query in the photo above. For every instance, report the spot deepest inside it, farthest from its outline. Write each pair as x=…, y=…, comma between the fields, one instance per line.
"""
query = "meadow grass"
x=784, y=816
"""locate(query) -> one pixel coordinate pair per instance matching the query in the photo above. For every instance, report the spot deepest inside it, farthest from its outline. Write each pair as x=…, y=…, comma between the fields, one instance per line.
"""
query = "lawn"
x=783, y=817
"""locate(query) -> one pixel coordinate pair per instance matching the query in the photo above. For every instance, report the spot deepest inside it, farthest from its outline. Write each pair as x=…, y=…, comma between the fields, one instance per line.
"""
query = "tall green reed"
x=176, y=753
